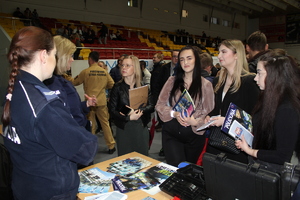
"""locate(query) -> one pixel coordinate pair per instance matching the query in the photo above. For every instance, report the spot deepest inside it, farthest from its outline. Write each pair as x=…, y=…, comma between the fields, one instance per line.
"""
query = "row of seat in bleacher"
x=143, y=43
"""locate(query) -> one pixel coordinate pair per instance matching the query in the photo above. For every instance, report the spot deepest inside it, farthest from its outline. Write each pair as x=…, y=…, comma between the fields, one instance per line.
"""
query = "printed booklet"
x=185, y=103
x=141, y=180
x=160, y=172
x=95, y=180
x=129, y=166
x=237, y=123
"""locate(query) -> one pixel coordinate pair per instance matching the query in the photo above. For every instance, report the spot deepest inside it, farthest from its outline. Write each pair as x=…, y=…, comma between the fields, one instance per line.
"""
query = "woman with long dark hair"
x=181, y=141
x=277, y=114
x=44, y=141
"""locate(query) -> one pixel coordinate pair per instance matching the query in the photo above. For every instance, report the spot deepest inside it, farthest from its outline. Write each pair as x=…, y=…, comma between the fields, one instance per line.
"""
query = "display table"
x=134, y=195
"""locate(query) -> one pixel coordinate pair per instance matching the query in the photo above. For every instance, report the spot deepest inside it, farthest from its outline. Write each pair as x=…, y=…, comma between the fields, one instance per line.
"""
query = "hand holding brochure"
x=237, y=123
x=206, y=125
x=185, y=103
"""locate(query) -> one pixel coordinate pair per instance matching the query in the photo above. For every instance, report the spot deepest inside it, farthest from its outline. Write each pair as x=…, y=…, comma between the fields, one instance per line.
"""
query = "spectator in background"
x=75, y=38
x=18, y=13
x=35, y=18
x=70, y=30
x=215, y=70
x=132, y=131
x=146, y=75
x=66, y=33
x=255, y=47
x=84, y=33
x=61, y=30
x=27, y=13
x=155, y=82
x=113, y=36
x=115, y=72
x=103, y=65
x=35, y=15
x=206, y=64
x=103, y=33
x=166, y=71
x=119, y=36
x=77, y=30
x=90, y=37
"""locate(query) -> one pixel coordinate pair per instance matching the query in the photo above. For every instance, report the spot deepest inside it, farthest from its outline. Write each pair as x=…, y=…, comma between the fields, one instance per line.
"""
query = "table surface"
x=134, y=195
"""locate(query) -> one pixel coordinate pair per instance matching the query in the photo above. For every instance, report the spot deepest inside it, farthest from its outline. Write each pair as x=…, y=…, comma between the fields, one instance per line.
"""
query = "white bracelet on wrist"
x=172, y=113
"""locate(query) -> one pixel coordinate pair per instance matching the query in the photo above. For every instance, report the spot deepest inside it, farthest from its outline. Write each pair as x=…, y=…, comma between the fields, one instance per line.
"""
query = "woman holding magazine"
x=277, y=114
x=234, y=84
x=181, y=141
x=132, y=131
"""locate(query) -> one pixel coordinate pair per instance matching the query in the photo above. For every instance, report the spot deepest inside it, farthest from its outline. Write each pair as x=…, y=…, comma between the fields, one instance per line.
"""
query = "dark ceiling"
x=254, y=8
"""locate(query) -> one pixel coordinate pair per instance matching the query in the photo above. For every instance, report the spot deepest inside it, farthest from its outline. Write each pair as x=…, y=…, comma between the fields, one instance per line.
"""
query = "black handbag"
x=222, y=141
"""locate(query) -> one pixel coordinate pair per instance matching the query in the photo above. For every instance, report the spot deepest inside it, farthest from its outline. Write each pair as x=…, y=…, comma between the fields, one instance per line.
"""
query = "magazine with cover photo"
x=237, y=123
x=140, y=180
x=149, y=180
x=160, y=172
x=127, y=184
x=185, y=103
x=94, y=180
x=127, y=167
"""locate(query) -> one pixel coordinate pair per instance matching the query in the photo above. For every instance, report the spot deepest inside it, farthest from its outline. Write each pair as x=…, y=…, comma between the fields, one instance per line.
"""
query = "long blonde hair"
x=137, y=69
x=65, y=48
x=241, y=68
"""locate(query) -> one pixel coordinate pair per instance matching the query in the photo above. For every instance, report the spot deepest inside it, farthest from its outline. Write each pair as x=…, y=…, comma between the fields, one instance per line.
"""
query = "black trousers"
x=181, y=143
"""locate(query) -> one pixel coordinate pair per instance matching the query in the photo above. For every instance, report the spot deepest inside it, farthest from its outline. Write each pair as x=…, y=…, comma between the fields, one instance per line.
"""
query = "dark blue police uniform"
x=67, y=92
x=45, y=143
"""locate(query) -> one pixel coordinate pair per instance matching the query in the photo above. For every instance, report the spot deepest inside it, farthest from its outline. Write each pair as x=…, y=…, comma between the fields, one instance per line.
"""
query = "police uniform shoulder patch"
x=49, y=95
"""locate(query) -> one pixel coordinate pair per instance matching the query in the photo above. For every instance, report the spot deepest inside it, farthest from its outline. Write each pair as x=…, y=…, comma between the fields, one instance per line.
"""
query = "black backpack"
x=5, y=174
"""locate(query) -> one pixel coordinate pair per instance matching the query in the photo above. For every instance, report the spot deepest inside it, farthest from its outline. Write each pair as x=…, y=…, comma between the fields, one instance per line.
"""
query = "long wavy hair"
x=241, y=68
x=25, y=43
x=195, y=89
x=281, y=84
